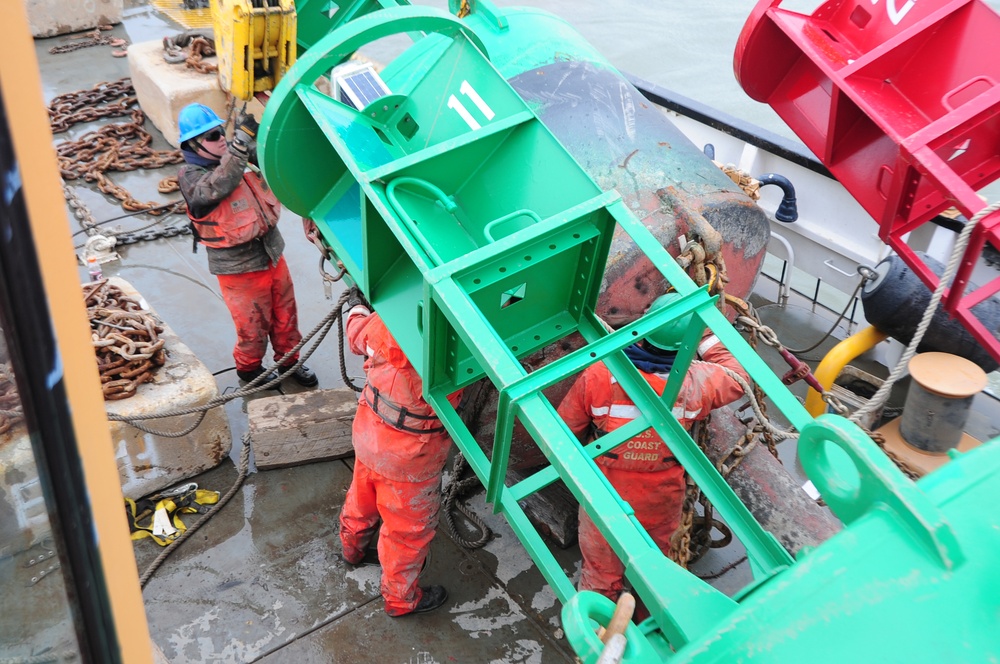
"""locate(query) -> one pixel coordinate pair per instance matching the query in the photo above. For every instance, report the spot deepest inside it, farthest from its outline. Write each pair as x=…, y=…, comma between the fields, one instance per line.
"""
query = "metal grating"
x=191, y=19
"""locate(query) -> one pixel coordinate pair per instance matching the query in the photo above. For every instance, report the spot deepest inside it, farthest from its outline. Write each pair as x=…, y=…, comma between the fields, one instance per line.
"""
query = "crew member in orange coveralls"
x=400, y=450
x=643, y=470
x=234, y=215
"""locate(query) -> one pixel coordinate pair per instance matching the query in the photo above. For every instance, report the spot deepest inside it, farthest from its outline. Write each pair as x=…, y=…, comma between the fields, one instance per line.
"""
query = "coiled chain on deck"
x=262, y=382
x=114, y=99
x=122, y=146
x=191, y=48
x=125, y=339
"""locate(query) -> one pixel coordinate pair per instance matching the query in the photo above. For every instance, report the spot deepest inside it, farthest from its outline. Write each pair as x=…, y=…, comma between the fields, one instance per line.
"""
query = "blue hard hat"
x=195, y=119
x=671, y=334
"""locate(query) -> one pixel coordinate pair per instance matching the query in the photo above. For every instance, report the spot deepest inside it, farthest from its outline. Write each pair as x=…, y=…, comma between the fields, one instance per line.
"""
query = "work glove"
x=247, y=123
x=245, y=135
x=357, y=298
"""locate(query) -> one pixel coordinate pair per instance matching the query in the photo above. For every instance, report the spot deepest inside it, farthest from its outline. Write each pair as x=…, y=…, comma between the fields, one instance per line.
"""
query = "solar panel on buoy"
x=359, y=87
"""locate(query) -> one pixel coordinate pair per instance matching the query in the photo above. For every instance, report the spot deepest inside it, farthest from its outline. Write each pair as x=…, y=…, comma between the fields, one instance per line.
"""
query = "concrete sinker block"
x=163, y=89
x=48, y=18
x=148, y=463
x=23, y=516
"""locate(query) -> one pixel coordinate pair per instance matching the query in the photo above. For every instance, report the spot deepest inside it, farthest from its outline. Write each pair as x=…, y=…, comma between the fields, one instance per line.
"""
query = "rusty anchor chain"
x=749, y=321
x=108, y=99
x=748, y=318
x=746, y=182
x=693, y=537
x=92, y=38
x=125, y=339
x=80, y=210
x=117, y=147
x=191, y=48
x=877, y=437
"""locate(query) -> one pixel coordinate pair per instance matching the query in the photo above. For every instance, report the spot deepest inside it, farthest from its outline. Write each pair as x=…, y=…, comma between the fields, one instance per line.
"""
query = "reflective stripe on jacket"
x=249, y=212
x=596, y=398
x=646, y=452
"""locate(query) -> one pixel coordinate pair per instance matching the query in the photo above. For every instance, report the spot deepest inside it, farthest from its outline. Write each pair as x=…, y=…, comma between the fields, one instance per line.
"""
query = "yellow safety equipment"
x=159, y=517
x=255, y=43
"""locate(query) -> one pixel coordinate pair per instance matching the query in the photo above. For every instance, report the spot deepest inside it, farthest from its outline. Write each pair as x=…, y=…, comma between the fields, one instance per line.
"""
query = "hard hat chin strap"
x=204, y=151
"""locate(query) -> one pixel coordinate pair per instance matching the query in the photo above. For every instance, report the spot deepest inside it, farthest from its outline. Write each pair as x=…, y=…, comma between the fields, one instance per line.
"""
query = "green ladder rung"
x=607, y=443
x=570, y=365
x=628, y=539
x=765, y=378
x=704, y=605
x=765, y=553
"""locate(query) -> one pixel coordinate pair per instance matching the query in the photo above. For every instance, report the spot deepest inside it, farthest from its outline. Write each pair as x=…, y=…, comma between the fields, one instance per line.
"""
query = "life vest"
x=248, y=213
x=643, y=453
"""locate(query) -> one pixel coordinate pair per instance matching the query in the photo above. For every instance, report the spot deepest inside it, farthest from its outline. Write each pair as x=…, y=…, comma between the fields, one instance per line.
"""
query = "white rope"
x=880, y=397
x=780, y=434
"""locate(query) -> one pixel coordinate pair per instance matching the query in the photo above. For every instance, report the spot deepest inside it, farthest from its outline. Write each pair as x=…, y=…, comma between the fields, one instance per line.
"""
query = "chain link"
x=108, y=99
x=693, y=537
x=749, y=319
x=144, y=234
x=901, y=463
x=125, y=338
x=114, y=147
x=88, y=39
x=198, y=46
x=258, y=384
x=80, y=210
x=749, y=184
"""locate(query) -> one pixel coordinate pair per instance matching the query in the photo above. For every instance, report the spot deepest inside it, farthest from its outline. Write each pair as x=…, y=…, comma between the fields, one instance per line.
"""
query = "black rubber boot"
x=304, y=376
x=433, y=597
x=248, y=376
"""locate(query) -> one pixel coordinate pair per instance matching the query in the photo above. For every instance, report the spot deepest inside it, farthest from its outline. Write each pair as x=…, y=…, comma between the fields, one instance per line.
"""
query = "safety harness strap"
x=159, y=518
x=394, y=415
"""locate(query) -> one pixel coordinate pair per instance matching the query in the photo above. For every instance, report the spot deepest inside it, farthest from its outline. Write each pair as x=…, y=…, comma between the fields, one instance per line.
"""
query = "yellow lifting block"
x=255, y=43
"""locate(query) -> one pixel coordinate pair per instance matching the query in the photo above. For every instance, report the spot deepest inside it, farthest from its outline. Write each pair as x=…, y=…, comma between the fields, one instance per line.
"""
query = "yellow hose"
x=836, y=360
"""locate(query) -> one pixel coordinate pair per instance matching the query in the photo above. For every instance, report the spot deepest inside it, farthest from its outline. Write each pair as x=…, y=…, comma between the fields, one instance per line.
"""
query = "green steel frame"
x=440, y=282
x=479, y=240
